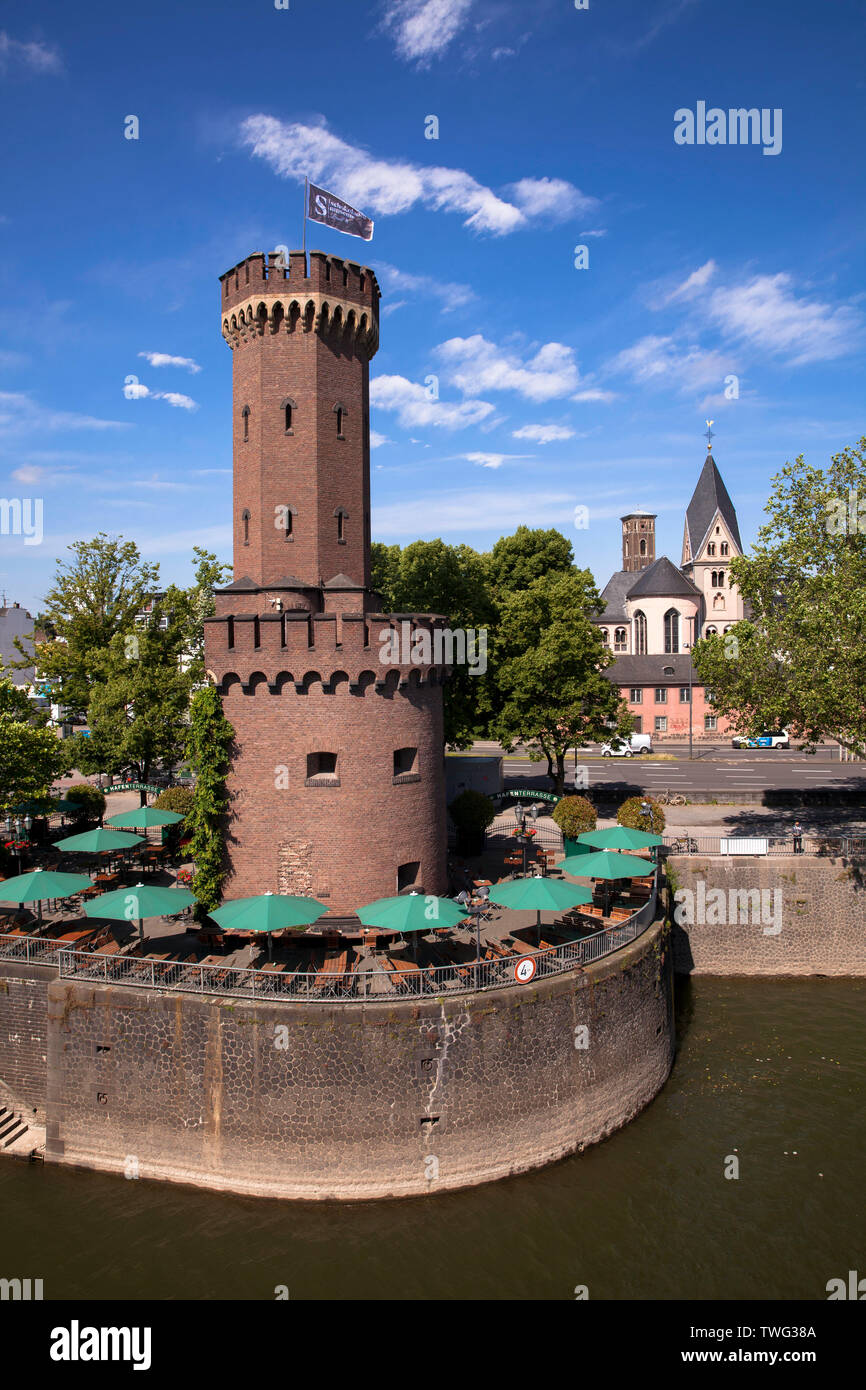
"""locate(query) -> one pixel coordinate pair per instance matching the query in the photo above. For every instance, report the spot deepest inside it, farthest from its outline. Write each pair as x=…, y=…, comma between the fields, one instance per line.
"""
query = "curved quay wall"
x=356, y=1100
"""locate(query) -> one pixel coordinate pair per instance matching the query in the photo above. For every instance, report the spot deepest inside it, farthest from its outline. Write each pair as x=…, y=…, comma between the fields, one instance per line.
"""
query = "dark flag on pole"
x=324, y=207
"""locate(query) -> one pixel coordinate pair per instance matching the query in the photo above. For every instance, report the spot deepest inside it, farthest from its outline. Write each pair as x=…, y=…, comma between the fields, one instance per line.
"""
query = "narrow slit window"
x=245, y=518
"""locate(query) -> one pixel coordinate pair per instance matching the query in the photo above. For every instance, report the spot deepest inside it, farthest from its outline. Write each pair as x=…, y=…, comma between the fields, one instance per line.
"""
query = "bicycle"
x=669, y=798
x=685, y=845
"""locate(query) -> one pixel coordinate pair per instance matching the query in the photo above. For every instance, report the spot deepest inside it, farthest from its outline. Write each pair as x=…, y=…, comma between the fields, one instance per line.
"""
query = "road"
x=725, y=772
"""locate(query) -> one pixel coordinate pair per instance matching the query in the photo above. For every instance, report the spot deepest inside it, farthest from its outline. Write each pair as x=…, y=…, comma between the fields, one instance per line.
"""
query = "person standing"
x=798, y=837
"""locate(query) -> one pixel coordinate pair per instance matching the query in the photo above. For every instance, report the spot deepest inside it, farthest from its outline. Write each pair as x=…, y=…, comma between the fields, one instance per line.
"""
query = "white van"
x=626, y=748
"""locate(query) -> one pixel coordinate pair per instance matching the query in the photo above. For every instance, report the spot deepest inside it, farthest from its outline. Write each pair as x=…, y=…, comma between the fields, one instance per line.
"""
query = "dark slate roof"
x=341, y=581
x=710, y=496
x=662, y=579
x=650, y=670
x=614, y=593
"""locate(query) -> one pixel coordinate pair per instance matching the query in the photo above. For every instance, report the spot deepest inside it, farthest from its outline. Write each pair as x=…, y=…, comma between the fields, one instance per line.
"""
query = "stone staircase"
x=16, y=1139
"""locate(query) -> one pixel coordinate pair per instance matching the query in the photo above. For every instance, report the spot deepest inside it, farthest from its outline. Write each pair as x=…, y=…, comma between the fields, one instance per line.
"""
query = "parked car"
x=761, y=741
x=627, y=747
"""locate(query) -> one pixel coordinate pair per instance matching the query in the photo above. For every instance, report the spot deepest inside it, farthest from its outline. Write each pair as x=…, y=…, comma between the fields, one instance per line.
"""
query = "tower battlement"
x=243, y=641
x=268, y=274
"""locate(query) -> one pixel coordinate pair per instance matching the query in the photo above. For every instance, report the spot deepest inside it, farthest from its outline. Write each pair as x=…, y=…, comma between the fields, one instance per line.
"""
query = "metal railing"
x=405, y=980
x=828, y=846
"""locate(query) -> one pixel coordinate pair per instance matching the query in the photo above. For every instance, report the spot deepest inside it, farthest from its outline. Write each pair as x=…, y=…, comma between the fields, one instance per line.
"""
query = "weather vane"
x=709, y=434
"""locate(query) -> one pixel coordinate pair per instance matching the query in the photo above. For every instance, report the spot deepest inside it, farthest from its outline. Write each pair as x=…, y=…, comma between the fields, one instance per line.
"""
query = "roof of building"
x=614, y=593
x=652, y=670
x=15, y=621
x=710, y=496
x=662, y=579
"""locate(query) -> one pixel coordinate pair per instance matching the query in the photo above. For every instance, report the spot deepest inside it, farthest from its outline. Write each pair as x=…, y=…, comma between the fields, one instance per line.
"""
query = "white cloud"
x=423, y=29
x=33, y=57
x=377, y=439
x=475, y=364
x=450, y=294
x=543, y=434
x=766, y=314
x=137, y=391
x=383, y=186
x=552, y=198
x=493, y=460
x=594, y=393
x=697, y=281
x=413, y=406
x=656, y=358
x=19, y=412
x=598, y=231
x=164, y=359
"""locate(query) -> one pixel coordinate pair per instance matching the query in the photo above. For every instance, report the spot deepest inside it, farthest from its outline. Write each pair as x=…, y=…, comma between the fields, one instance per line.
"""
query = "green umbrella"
x=268, y=912
x=607, y=864
x=134, y=904
x=411, y=912
x=96, y=842
x=40, y=884
x=542, y=894
x=145, y=816
x=40, y=806
x=619, y=837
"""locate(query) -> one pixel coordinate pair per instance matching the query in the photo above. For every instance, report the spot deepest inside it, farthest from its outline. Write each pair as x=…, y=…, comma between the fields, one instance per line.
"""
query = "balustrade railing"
x=358, y=986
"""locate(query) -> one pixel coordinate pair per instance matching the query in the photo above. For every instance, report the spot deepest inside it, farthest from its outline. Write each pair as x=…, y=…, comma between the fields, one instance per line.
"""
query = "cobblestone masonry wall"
x=362, y=1101
x=23, y=1038
x=823, y=917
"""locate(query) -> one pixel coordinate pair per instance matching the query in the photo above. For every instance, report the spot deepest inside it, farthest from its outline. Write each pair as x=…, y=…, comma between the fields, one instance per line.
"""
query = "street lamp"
x=22, y=832
x=691, y=617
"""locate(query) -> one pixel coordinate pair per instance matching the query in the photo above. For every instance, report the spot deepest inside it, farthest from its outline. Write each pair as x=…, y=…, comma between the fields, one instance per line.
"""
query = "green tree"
x=138, y=705
x=799, y=660
x=188, y=608
x=210, y=746
x=632, y=815
x=517, y=561
x=94, y=598
x=31, y=756
x=432, y=577
x=549, y=667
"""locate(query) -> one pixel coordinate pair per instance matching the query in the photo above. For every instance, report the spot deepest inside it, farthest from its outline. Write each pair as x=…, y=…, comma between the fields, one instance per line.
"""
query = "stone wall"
x=822, y=916
x=356, y=1101
x=23, y=1037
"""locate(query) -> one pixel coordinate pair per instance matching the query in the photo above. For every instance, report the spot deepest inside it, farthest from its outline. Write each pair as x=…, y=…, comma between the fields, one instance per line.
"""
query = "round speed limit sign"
x=524, y=970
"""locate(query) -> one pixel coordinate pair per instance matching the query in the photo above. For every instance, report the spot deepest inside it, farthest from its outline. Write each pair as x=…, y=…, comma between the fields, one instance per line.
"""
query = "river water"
x=771, y=1071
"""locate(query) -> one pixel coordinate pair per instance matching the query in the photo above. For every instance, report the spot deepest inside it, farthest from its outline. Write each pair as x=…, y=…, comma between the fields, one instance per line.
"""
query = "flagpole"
x=306, y=204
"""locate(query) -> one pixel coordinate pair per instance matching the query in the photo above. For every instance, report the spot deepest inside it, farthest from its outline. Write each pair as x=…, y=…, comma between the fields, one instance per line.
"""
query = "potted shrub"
x=574, y=815
x=631, y=815
x=472, y=813
x=90, y=799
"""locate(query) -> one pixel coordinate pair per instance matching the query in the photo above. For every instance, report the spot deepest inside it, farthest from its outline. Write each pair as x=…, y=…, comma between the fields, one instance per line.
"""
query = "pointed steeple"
x=709, y=498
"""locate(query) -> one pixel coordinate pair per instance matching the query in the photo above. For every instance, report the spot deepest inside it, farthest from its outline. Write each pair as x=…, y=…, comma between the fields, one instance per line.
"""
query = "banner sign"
x=526, y=794
x=131, y=787
x=333, y=212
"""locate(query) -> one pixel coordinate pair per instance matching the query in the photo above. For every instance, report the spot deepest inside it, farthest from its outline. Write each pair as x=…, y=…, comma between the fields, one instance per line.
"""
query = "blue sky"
x=558, y=387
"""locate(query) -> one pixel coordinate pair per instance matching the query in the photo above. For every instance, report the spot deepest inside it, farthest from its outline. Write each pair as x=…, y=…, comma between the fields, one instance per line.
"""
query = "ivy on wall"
x=210, y=742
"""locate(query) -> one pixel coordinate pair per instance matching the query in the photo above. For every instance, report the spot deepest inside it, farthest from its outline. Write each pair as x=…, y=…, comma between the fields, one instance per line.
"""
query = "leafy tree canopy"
x=799, y=661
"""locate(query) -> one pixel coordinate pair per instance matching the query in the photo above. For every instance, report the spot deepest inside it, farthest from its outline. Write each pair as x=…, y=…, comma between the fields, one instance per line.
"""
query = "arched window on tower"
x=643, y=547
x=341, y=413
x=245, y=518
x=342, y=517
x=246, y=419
x=672, y=630
x=640, y=633
x=289, y=407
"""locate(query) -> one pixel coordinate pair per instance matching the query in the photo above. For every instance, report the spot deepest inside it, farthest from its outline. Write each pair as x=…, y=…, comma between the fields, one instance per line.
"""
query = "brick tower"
x=638, y=541
x=337, y=783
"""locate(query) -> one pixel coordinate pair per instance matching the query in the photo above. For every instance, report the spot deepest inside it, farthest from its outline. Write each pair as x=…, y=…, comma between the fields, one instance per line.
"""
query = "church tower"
x=638, y=541
x=337, y=782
